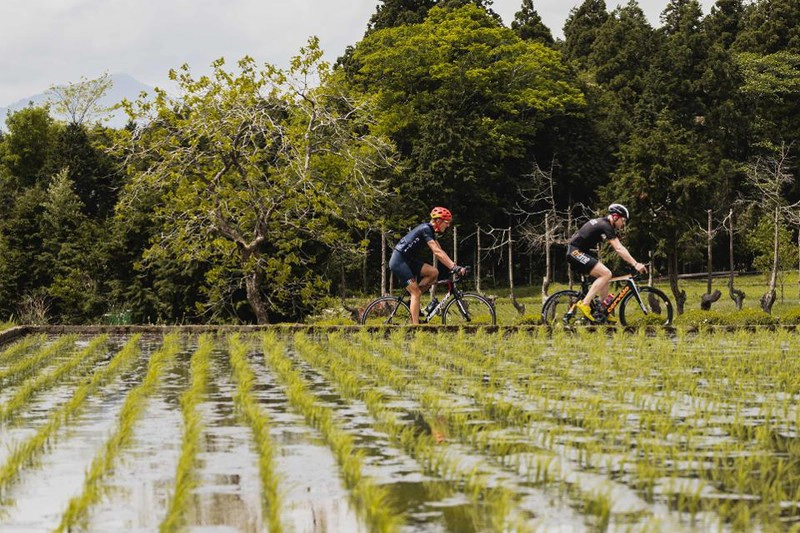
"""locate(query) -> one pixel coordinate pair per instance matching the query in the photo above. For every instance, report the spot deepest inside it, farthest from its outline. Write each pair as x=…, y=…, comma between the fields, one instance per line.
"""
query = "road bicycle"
x=635, y=305
x=457, y=307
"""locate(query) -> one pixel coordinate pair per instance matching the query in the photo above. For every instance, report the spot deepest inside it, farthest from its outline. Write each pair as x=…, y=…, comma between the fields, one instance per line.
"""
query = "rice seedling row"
x=77, y=510
x=186, y=472
x=20, y=349
x=259, y=423
x=485, y=425
x=464, y=472
x=78, y=360
x=518, y=431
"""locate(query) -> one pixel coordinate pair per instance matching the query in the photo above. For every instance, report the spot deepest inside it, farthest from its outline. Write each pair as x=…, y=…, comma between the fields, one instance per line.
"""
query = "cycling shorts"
x=407, y=269
x=581, y=261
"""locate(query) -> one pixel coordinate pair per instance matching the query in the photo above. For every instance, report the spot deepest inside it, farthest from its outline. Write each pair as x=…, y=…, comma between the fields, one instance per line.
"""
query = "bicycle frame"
x=630, y=284
x=452, y=292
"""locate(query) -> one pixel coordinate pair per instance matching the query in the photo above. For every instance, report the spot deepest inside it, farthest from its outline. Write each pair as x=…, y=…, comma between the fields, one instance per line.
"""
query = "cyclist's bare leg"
x=416, y=292
x=428, y=276
x=602, y=276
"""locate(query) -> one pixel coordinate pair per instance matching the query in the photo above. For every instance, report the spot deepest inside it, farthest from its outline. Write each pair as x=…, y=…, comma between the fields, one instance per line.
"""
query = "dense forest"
x=260, y=194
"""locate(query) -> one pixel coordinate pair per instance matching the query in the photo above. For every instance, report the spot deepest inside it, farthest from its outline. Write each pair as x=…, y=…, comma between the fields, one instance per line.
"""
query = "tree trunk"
x=650, y=270
x=253, y=280
x=355, y=314
x=518, y=306
x=736, y=295
x=769, y=297
x=680, y=296
x=547, y=258
x=709, y=298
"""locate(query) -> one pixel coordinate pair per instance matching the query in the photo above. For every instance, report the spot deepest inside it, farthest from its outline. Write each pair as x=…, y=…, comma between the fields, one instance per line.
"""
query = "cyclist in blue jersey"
x=417, y=275
x=582, y=258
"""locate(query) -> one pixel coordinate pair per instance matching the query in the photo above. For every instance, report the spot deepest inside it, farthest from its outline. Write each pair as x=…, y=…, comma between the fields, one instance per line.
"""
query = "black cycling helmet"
x=619, y=209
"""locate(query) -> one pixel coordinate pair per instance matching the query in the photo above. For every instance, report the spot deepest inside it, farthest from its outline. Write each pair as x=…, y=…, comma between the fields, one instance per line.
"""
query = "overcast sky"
x=46, y=42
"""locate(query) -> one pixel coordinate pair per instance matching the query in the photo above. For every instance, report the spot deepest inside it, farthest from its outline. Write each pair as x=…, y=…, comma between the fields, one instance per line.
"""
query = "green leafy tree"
x=259, y=169
x=28, y=145
x=529, y=26
x=463, y=98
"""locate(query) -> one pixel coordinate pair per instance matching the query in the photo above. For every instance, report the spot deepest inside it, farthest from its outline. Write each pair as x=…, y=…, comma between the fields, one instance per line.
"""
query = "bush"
x=745, y=317
x=790, y=317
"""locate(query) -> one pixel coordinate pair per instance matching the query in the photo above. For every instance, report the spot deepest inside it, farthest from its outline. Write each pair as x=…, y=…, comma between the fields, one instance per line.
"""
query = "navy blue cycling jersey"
x=415, y=238
x=591, y=233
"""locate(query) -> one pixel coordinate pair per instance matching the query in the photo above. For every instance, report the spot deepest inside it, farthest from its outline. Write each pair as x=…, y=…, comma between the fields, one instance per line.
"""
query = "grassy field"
x=754, y=286
x=404, y=430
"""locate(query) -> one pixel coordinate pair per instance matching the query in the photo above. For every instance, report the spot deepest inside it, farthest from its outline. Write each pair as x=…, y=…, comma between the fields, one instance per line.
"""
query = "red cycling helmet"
x=441, y=212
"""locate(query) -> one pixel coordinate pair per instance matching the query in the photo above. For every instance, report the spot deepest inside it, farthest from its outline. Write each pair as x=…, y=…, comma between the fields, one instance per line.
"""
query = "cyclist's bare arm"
x=626, y=256
x=441, y=255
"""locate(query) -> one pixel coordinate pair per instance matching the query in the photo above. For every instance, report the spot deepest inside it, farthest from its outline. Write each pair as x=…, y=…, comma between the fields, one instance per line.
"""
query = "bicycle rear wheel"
x=386, y=310
x=470, y=308
x=559, y=309
x=657, y=309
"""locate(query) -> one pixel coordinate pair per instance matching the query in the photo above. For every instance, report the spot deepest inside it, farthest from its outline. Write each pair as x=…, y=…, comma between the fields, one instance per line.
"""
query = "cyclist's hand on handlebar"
x=640, y=267
x=459, y=270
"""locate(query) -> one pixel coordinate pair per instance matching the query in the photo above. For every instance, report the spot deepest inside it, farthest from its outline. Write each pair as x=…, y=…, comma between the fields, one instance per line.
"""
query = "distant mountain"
x=123, y=86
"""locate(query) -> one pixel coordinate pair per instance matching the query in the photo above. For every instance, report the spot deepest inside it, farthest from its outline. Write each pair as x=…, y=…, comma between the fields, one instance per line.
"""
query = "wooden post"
x=709, y=242
x=520, y=308
x=736, y=295
x=547, y=259
x=478, y=261
x=650, y=270
x=455, y=244
x=569, y=233
x=384, y=266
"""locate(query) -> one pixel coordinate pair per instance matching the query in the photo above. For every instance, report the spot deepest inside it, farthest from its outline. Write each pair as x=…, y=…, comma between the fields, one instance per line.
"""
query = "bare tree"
x=80, y=101
x=769, y=176
x=710, y=232
x=544, y=225
x=736, y=295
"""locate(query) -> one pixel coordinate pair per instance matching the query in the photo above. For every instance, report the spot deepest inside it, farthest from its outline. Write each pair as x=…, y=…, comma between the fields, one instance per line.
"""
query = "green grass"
x=754, y=286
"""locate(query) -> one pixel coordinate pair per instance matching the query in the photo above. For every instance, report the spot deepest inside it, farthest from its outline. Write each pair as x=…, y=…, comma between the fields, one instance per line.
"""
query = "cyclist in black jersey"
x=581, y=256
x=415, y=274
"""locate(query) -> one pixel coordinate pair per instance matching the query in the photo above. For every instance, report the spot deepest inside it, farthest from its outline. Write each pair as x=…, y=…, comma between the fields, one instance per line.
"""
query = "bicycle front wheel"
x=386, y=310
x=470, y=308
x=655, y=309
x=560, y=308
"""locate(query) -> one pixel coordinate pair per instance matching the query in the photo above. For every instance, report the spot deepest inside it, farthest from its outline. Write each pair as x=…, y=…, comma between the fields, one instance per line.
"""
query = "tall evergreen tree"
x=723, y=24
x=620, y=58
x=771, y=26
x=529, y=26
x=580, y=30
x=393, y=13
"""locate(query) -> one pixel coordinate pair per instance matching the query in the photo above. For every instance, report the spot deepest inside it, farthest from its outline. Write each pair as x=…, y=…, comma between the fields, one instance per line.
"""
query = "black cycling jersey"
x=591, y=233
x=415, y=238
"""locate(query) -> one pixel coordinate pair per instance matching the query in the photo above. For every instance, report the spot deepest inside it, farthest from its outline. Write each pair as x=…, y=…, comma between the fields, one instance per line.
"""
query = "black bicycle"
x=457, y=307
x=636, y=306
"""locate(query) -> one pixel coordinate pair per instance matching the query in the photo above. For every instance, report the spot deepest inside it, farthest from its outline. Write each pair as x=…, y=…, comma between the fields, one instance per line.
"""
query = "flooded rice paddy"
x=401, y=431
